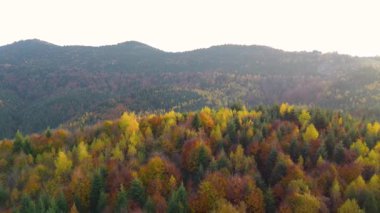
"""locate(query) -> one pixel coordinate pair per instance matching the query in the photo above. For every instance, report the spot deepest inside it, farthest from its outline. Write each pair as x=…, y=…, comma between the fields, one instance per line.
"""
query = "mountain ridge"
x=36, y=41
x=43, y=84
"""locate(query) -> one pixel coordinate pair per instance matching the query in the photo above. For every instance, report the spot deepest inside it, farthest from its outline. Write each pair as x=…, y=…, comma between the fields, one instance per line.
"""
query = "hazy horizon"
x=346, y=27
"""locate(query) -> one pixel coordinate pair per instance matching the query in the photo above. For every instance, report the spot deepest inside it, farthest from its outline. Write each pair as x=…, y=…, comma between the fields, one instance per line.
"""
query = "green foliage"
x=27, y=205
x=149, y=206
x=121, y=202
x=97, y=194
x=178, y=201
x=4, y=195
x=137, y=192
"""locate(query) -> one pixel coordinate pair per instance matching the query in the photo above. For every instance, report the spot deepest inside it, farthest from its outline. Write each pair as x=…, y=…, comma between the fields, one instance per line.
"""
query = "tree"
x=149, y=206
x=304, y=117
x=359, y=147
x=136, y=192
x=18, y=142
x=311, y=133
x=216, y=134
x=3, y=195
x=128, y=123
x=232, y=131
x=270, y=203
x=61, y=203
x=27, y=205
x=293, y=151
x=63, y=163
x=350, y=206
x=197, y=124
x=335, y=194
x=373, y=129
x=285, y=108
x=74, y=209
x=96, y=193
x=178, y=201
x=121, y=202
x=117, y=154
x=82, y=151
x=255, y=201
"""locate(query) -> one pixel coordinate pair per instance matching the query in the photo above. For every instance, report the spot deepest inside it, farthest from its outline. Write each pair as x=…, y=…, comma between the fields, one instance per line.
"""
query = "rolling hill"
x=42, y=84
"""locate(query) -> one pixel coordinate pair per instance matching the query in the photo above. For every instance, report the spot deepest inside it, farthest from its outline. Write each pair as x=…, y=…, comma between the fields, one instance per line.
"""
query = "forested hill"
x=264, y=159
x=42, y=84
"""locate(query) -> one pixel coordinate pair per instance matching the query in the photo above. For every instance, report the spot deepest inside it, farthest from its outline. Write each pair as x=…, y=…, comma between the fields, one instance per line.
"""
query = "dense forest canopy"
x=42, y=84
x=281, y=158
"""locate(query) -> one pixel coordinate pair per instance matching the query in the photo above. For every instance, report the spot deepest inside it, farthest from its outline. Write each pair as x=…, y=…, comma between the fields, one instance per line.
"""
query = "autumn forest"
x=279, y=158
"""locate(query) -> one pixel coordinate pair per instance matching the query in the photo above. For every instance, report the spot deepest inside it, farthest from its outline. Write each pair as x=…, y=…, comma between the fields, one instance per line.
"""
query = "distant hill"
x=42, y=84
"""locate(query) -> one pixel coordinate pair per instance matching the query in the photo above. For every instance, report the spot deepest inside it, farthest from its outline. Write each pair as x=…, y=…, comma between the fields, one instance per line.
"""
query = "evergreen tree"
x=136, y=192
x=149, y=206
x=196, y=123
x=121, y=202
x=27, y=205
x=231, y=131
x=61, y=203
x=271, y=162
x=18, y=142
x=330, y=145
x=270, y=204
x=97, y=188
x=178, y=201
x=293, y=151
x=3, y=195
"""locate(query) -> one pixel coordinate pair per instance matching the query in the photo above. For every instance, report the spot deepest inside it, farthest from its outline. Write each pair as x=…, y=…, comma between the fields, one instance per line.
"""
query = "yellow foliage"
x=355, y=186
x=359, y=147
x=216, y=133
x=304, y=203
x=117, y=154
x=33, y=184
x=304, y=117
x=311, y=133
x=98, y=145
x=239, y=160
x=373, y=129
x=133, y=142
x=223, y=206
x=82, y=151
x=206, y=117
x=222, y=117
x=63, y=163
x=128, y=123
x=285, y=108
x=350, y=206
x=172, y=182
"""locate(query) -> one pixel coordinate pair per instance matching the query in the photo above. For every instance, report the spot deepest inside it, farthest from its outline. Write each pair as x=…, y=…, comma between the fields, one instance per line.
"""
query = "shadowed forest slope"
x=42, y=84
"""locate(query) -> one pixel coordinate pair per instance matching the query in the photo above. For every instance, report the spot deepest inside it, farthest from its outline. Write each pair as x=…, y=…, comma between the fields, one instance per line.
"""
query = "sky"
x=343, y=26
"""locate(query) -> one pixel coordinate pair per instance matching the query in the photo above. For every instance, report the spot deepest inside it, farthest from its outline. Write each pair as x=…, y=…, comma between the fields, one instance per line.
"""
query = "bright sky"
x=344, y=26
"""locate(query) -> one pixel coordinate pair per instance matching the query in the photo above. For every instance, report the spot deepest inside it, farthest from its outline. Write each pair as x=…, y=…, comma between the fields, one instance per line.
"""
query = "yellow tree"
x=129, y=123
x=82, y=152
x=373, y=128
x=350, y=206
x=117, y=154
x=311, y=133
x=359, y=147
x=216, y=134
x=304, y=117
x=62, y=163
x=285, y=108
x=239, y=161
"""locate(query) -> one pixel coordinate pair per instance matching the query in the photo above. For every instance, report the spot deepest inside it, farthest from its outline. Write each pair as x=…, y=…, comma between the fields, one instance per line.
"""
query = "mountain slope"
x=42, y=84
x=265, y=159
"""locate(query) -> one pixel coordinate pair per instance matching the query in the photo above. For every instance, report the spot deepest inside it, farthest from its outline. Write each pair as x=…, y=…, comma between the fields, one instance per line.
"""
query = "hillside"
x=42, y=84
x=265, y=159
